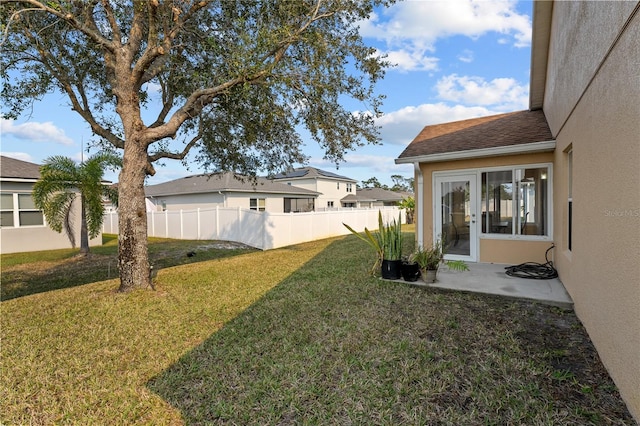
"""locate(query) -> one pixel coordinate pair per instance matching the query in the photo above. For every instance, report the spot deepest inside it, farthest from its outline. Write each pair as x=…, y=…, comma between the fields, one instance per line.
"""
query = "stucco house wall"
x=330, y=186
x=187, y=201
x=512, y=251
x=226, y=190
x=273, y=203
x=592, y=101
x=38, y=238
x=332, y=191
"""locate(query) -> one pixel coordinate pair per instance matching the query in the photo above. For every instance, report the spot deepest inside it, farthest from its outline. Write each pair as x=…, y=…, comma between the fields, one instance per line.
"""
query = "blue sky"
x=455, y=59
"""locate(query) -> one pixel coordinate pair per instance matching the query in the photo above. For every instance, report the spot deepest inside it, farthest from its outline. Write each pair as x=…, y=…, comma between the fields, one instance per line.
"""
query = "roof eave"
x=227, y=190
x=528, y=148
x=16, y=179
x=343, y=179
x=542, y=15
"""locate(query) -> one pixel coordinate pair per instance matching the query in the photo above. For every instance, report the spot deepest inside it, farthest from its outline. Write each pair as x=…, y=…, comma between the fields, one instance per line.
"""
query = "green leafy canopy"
x=236, y=80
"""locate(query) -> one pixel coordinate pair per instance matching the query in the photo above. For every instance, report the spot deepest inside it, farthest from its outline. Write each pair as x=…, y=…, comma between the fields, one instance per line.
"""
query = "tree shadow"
x=102, y=264
x=331, y=345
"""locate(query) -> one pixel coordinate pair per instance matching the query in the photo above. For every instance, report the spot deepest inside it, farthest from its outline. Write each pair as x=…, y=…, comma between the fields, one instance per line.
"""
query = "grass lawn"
x=299, y=335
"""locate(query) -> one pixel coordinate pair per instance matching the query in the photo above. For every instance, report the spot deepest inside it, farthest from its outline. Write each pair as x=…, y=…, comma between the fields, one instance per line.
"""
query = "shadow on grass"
x=38, y=272
x=330, y=345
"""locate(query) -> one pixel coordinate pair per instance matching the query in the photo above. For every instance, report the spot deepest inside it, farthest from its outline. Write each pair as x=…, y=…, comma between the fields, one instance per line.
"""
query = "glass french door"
x=455, y=215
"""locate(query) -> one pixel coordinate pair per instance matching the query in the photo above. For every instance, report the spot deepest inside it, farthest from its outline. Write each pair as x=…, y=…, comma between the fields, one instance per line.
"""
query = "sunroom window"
x=515, y=201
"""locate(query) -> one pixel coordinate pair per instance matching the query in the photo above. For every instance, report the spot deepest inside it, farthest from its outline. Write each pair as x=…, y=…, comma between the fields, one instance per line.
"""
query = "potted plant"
x=387, y=243
x=429, y=260
x=410, y=269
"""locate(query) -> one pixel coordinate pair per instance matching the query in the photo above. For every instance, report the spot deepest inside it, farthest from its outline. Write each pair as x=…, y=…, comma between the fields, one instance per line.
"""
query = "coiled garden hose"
x=533, y=270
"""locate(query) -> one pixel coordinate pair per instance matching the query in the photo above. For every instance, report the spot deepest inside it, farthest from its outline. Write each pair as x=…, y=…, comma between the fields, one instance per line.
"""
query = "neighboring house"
x=22, y=226
x=566, y=172
x=332, y=188
x=372, y=197
x=229, y=190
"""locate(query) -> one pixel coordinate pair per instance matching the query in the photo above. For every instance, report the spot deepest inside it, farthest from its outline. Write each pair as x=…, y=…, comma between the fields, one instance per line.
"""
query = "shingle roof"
x=18, y=169
x=379, y=194
x=514, y=128
x=373, y=194
x=223, y=182
x=311, y=172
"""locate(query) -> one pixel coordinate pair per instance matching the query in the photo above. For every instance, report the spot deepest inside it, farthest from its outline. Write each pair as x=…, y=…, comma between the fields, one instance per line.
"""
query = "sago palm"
x=62, y=181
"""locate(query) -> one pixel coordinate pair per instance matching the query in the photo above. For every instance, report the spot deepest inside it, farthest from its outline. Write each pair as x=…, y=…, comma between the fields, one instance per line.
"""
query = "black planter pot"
x=410, y=271
x=391, y=269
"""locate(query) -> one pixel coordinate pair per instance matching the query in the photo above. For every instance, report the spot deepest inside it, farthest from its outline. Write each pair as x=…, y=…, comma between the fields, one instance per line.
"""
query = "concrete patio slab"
x=490, y=278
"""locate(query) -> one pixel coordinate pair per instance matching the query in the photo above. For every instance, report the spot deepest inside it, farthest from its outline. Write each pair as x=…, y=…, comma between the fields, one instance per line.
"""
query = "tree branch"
x=176, y=155
x=50, y=62
x=167, y=104
x=113, y=24
x=153, y=59
x=198, y=100
x=69, y=18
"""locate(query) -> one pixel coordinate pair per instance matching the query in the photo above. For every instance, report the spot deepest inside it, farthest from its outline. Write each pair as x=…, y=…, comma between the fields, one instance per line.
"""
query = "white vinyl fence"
x=262, y=230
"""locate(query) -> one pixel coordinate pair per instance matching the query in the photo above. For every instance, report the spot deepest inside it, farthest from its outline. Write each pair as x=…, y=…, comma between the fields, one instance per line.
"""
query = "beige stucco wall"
x=38, y=238
x=601, y=122
x=513, y=252
x=189, y=201
x=327, y=187
x=509, y=251
x=274, y=202
x=330, y=192
x=581, y=34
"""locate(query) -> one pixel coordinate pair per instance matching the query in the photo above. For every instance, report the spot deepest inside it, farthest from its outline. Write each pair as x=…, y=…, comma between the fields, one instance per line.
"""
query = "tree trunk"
x=132, y=220
x=84, y=234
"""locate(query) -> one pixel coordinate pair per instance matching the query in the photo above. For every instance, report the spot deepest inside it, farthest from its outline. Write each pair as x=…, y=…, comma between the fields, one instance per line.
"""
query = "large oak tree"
x=231, y=81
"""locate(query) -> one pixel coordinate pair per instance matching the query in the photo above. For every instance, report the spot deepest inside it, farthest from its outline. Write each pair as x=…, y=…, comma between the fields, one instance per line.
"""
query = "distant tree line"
x=400, y=184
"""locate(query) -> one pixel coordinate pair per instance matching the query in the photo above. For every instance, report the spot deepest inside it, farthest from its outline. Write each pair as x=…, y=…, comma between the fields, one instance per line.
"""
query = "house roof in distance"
x=379, y=194
x=224, y=182
x=11, y=168
x=496, y=131
x=311, y=172
x=373, y=194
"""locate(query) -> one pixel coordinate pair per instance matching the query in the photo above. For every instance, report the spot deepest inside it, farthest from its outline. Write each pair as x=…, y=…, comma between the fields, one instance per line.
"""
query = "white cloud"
x=502, y=93
x=35, y=131
x=152, y=87
x=407, y=60
x=415, y=26
x=466, y=56
x=19, y=156
x=401, y=126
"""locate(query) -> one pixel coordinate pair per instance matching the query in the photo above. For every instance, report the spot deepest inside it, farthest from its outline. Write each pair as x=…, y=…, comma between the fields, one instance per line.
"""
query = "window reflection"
x=456, y=209
x=522, y=211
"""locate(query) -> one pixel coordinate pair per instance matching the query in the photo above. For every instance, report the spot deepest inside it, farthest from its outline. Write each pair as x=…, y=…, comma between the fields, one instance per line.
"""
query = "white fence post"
x=181, y=225
x=265, y=221
x=198, y=220
x=217, y=222
x=166, y=224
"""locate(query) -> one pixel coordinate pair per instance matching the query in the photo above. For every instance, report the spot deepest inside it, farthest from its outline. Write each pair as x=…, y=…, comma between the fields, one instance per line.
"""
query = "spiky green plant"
x=430, y=258
x=62, y=181
x=386, y=241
